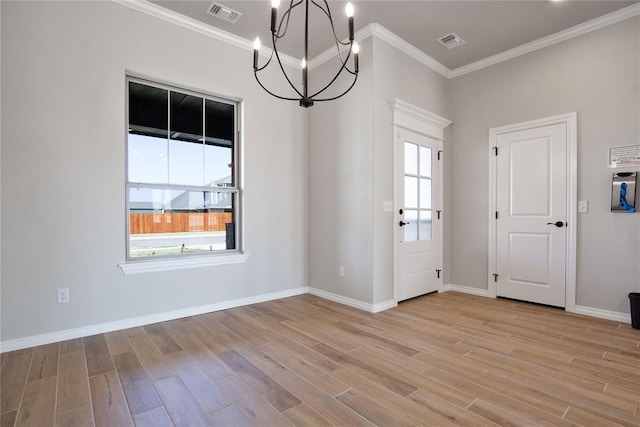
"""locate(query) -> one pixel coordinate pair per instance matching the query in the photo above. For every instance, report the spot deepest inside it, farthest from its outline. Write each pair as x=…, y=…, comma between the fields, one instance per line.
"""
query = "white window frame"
x=156, y=263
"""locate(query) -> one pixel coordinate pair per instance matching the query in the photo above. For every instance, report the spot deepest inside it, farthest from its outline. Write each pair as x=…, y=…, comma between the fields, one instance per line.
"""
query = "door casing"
x=570, y=120
x=420, y=121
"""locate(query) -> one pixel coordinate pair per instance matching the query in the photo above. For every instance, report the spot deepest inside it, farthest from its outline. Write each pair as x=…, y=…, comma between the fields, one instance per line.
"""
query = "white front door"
x=416, y=214
x=531, y=217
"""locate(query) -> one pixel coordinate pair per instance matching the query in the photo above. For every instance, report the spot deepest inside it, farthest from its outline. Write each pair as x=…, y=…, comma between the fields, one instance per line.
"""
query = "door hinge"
x=497, y=215
x=495, y=150
x=438, y=273
x=438, y=212
x=495, y=277
x=439, y=153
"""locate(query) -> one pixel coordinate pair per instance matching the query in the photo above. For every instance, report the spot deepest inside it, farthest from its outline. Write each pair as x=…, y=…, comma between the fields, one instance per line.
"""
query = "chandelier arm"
x=342, y=94
x=333, y=29
x=265, y=65
x=287, y=15
x=286, y=76
x=271, y=93
x=344, y=64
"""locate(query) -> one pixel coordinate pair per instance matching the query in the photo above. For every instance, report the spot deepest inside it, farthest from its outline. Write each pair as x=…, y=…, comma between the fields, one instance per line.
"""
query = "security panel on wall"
x=623, y=192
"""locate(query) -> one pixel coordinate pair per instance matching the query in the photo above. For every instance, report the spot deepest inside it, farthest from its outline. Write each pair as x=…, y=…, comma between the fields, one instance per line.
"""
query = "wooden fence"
x=147, y=223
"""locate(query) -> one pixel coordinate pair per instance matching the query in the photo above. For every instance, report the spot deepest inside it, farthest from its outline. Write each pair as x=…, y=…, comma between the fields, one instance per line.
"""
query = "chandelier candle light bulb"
x=355, y=48
x=256, y=50
x=274, y=14
x=349, y=11
x=279, y=27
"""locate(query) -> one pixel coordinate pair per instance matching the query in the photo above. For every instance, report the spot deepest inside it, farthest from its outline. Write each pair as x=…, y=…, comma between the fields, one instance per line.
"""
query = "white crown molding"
x=569, y=33
x=386, y=35
x=383, y=34
x=168, y=15
x=359, y=36
x=406, y=47
x=102, y=328
x=409, y=116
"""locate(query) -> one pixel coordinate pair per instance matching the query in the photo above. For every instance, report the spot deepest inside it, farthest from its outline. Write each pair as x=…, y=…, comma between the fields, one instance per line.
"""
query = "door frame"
x=418, y=120
x=570, y=120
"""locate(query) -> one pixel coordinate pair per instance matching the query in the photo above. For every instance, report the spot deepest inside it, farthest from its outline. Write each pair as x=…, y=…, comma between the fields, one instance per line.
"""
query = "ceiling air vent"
x=223, y=12
x=451, y=40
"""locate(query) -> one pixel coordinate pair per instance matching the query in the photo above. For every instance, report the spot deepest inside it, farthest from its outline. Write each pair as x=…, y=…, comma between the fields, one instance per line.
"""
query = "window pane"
x=170, y=221
x=425, y=225
x=148, y=133
x=186, y=163
x=410, y=229
x=410, y=158
x=186, y=149
x=425, y=161
x=219, y=141
x=148, y=113
x=410, y=192
x=147, y=159
x=425, y=193
x=186, y=118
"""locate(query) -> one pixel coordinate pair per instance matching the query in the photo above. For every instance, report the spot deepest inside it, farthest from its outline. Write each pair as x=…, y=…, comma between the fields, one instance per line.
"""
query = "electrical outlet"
x=63, y=295
x=583, y=206
x=341, y=271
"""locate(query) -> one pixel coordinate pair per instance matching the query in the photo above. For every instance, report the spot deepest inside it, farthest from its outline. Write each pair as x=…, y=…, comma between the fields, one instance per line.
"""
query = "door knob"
x=557, y=223
x=402, y=223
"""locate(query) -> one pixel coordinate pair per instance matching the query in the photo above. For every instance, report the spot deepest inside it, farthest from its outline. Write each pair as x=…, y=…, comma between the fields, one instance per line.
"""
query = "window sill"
x=154, y=266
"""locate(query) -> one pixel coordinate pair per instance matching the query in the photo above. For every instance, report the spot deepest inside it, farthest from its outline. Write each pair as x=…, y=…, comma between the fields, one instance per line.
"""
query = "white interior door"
x=416, y=215
x=531, y=223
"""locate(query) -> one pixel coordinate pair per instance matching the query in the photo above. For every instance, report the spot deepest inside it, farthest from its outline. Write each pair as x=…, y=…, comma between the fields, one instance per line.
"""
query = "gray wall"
x=598, y=76
x=313, y=196
x=396, y=75
x=351, y=172
x=341, y=186
x=63, y=158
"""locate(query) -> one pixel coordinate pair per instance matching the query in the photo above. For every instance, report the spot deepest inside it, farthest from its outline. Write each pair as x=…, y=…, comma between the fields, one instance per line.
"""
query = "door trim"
x=570, y=120
x=418, y=120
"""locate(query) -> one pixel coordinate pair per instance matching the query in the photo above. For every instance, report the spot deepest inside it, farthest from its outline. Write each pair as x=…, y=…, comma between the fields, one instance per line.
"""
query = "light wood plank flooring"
x=444, y=359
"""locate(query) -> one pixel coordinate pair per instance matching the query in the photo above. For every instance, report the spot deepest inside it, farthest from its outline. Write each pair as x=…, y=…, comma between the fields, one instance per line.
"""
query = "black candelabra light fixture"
x=279, y=30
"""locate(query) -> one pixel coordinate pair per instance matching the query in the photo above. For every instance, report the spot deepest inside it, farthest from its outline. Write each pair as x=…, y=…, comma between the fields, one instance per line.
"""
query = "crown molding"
x=569, y=33
x=382, y=33
x=168, y=15
x=359, y=36
x=406, y=47
x=409, y=116
x=404, y=108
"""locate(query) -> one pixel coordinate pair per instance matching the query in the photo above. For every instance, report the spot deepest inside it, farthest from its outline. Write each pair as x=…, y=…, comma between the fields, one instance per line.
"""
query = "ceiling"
x=488, y=27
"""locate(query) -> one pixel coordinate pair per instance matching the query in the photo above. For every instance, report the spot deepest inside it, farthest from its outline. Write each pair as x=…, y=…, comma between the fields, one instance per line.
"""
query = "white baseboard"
x=385, y=305
x=371, y=308
x=603, y=314
x=587, y=311
x=465, y=290
x=68, y=334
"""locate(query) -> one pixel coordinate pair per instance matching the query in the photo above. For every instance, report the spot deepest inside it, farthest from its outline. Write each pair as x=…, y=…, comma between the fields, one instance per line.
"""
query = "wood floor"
x=444, y=359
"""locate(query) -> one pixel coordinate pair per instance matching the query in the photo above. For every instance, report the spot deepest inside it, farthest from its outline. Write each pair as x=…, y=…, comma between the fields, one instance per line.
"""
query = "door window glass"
x=418, y=194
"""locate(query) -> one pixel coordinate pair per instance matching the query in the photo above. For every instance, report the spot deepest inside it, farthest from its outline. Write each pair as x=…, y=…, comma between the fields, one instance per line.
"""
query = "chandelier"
x=279, y=30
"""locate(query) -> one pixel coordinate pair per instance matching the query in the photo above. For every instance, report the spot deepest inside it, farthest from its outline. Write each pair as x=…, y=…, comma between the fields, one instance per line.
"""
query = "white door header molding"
x=415, y=118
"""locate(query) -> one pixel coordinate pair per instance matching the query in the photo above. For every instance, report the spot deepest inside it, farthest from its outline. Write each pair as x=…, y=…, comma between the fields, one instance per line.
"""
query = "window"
x=182, y=172
x=417, y=192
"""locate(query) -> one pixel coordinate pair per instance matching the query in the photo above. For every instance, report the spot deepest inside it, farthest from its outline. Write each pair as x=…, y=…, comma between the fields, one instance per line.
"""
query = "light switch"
x=387, y=206
x=583, y=206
